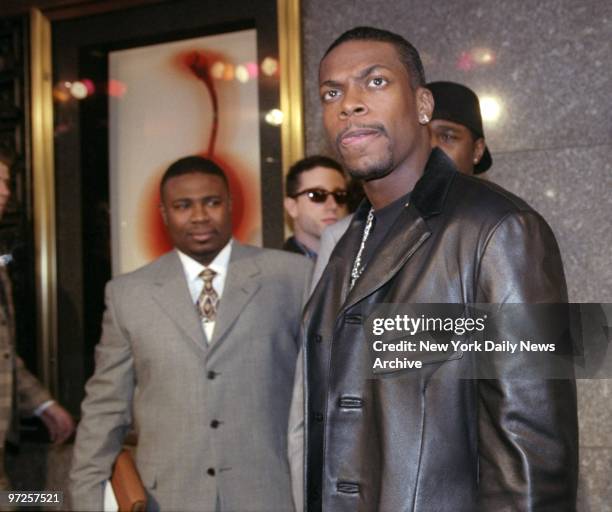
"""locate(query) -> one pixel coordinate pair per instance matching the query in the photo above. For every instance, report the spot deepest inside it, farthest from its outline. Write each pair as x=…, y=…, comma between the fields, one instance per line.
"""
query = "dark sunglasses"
x=319, y=195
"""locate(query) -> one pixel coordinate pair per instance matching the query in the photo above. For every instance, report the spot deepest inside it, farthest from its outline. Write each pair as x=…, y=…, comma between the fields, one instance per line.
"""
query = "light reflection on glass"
x=228, y=72
x=217, y=70
x=78, y=90
x=242, y=74
x=116, y=89
x=252, y=69
x=274, y=117
x=61, y=92
x=269, y=66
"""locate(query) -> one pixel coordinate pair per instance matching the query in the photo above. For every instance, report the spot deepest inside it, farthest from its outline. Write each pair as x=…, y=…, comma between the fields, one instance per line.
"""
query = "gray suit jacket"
x=211, y=420
x=329, y=239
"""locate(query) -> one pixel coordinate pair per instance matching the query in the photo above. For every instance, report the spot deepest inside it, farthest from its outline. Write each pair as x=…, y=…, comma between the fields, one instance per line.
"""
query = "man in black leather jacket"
x=427, y=439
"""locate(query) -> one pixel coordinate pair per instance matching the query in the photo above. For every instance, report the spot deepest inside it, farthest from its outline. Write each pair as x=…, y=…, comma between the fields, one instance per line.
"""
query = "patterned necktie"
x=208, y=299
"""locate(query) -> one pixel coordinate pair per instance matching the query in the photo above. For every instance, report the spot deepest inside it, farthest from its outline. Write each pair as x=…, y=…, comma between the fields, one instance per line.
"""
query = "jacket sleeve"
x=528, y=434
x=31, y=393
x=105, y=413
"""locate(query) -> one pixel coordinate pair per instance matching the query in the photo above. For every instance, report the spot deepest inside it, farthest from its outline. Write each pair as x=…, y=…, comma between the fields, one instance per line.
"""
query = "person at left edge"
x=20, y=392
x=208, y=394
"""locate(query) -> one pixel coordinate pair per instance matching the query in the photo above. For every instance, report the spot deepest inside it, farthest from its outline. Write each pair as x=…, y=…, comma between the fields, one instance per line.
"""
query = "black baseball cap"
x=459, y=104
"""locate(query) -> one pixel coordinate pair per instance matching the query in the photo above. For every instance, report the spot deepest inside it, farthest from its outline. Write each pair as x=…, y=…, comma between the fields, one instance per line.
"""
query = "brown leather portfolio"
x=127, y=485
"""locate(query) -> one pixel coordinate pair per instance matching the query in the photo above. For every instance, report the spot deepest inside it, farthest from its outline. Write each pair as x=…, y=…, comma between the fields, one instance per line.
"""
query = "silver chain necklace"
x=357, y=267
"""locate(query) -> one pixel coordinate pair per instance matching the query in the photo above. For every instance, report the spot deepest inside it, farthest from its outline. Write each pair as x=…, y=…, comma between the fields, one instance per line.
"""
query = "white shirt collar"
x=193, y=268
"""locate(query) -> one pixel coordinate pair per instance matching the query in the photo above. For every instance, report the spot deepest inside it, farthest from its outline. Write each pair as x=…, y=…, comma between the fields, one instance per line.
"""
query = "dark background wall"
x=550, y=71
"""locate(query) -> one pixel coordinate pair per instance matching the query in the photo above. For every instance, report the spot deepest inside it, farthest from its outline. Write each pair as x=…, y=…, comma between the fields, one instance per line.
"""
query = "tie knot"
x=207, y=275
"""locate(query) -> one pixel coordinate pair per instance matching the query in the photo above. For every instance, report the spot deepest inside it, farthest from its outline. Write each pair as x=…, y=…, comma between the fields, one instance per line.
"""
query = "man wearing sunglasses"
x=316, y=190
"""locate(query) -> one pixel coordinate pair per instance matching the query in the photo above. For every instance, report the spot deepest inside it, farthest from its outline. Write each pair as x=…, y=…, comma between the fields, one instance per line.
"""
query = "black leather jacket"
x=443, y=444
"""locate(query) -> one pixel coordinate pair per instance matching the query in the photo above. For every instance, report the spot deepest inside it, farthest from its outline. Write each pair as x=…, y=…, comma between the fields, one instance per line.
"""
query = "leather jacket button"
x=214, y=423
x=211, y=471
x=353, y=319
x=211, y=375
x=350, y=402
x=348, y=487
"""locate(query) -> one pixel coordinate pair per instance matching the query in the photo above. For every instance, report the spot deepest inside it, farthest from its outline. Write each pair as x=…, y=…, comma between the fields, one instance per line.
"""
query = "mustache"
x=374, y=126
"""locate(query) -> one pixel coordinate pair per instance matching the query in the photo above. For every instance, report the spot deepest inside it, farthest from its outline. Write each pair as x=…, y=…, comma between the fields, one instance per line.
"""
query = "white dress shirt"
x=192, y=270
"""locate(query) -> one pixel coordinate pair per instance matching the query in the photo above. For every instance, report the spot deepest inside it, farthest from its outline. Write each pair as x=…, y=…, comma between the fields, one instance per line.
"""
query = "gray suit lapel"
x=172, y=294
x=241, y=283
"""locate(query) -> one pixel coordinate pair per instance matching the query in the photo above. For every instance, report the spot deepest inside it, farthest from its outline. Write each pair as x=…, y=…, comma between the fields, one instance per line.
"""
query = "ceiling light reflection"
x=490, y=108
x=483, y=56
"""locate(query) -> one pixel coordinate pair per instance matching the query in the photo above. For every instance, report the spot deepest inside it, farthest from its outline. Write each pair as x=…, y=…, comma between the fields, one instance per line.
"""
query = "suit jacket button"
x=211, y=471
x=7, y=355
x=211, y=375
x=214, y=423
x=318, y=417
x=318, y=338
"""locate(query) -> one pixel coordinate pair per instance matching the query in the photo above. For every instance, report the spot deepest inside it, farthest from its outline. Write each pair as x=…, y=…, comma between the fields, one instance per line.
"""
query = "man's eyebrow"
x=370, y=70
x=330, y=83
x=447, y=128
x=362, y=74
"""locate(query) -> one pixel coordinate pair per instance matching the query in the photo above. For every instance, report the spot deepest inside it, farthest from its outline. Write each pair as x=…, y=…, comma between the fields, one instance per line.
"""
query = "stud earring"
x=423, y=119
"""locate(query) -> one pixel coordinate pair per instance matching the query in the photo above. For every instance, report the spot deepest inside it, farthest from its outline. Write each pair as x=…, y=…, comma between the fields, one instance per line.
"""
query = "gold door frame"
x=43, y=173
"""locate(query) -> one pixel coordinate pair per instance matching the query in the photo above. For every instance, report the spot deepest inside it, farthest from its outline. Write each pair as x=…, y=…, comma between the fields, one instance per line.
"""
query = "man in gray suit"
x=198, y=352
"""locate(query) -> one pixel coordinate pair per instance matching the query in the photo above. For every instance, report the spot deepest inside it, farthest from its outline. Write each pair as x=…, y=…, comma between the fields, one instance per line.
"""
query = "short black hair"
x=189, y=165
x=292, y=182
x=407, y=53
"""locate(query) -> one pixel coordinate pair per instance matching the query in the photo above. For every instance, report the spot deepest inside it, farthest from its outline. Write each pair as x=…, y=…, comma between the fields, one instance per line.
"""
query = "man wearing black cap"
x=456, y=127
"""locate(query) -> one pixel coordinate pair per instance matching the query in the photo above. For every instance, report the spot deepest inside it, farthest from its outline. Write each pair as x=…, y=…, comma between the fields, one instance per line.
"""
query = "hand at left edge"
x=59, y=422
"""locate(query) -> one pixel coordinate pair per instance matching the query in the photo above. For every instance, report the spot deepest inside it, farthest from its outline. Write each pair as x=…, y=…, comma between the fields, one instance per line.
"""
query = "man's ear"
x=424, y=103
x=163, y=213
x=291, y=207
x=478, y=151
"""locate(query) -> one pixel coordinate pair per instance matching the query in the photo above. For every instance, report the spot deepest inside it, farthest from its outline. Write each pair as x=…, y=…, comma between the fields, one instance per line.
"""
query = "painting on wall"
x=196, y=96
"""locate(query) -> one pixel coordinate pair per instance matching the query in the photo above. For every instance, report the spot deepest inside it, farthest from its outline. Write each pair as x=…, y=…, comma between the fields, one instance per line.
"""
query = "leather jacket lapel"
x=397, y=247
x=409, y=231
